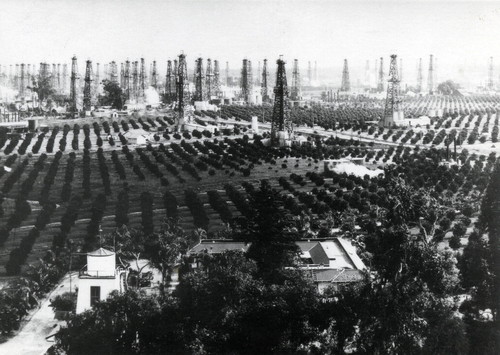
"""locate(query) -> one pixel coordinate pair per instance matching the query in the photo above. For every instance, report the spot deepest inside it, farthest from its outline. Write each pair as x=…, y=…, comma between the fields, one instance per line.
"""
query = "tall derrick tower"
x=114, y=72
x=250, y=79
x=106, y=71
x=58, y=78
x=280, y=120
x=22, y=82
x=367, y=74
x=11, y=76
x=244, y=84
x=16, y=78
x=176, y=73
x=216, y=81
x=295, y=89
x=257, y=77
x=122, y=76
x=346, y=83
x=54, y=76
x=135, y=81
x=227, y=74
x=126, y=79
x=199, y=77
x=315, y=71
x=169, y=83
x=430, y=77
x=309, y=73
x=392, y=102
x=73, y=93
x=401, y=71
x=209, y=79
x=380, y=85
x=419, y=76
x=265, y=84
x=154, y=76
x=142, y=81
x=64, y=79
x=97, y=82
x=182, y=89
x=87, y=93
x=490, y=75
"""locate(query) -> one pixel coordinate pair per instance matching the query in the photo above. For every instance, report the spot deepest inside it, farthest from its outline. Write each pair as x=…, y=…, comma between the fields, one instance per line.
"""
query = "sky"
x=458, y=33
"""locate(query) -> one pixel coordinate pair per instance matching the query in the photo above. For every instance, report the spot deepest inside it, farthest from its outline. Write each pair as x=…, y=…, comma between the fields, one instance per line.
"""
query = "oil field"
x=248, y=203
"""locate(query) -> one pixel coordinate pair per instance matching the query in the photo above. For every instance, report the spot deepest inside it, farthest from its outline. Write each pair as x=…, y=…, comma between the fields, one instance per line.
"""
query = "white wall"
x=84, y=284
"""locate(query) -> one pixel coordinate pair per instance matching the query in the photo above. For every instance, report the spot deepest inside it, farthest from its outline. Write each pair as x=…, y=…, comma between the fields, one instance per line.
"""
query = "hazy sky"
x=457, y=32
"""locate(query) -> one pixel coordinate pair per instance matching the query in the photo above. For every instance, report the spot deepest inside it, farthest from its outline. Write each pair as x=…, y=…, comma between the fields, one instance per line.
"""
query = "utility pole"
x=295, y=89
x=346, y=83
x=392, y=102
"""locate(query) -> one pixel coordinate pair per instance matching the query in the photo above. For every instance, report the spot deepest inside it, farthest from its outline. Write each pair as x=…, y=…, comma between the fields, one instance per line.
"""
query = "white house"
x=98, y=279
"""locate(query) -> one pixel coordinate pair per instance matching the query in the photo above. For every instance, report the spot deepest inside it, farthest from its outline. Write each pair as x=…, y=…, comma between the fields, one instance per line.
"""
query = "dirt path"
x=30, y=340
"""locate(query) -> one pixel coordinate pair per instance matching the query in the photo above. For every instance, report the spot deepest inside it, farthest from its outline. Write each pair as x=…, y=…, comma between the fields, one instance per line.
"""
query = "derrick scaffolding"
x=135, y=81
x=126, y=79
x=419, y=76
x=154, y=76
x=182, y=89
x=73, y=94
x=216, y=80
x=199, y=77
x=295, y=89
x=209, y=80
x=346, y=83
x=490, y=75
x=430, y=77
x=265, y=83
x=87, y=92
x=170, y=84
x=142, y=81
x=280, y=119
x=380, y=85
x=392, y=102
x=246, y=81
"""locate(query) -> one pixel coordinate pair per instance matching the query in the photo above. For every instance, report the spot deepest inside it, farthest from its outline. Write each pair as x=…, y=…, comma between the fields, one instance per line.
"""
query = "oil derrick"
x=315, y=71
x=209, y=80
x=176, y=71
x=346, y=83
x=106, y=71
x=227, y=74
x=401, y=71
x=257, y=77
x=246, y=81
x=265, y=83
x=309, y=73
x=142, y=81
x=113, y=75
x=490, y=74
x=122, y=76
x=295, y=89
x=216, y=81
x=74, y=74
x=65, y=78
x=16, y=78
x=199, y=76
x=392, y=102
x=11, y=76
x=154, y=76
x=250, y=78
x=97, y=83
x=126, y=79
x=430, y=77
x=87, y=94
x=22, y=82
x=280, y=120
x=182, y=89
x=135, y=81
x=419, y=76
x=54, y=76
x=59, y=78
x=169, y=83
x=367, y=74
x=380, y=83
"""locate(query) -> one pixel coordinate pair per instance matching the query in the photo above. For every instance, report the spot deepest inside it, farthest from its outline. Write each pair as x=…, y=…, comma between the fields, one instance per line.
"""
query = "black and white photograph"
x=249, y=177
